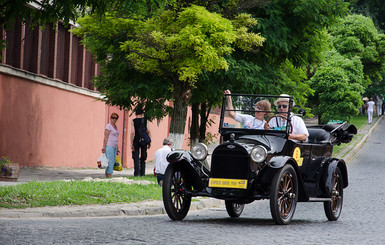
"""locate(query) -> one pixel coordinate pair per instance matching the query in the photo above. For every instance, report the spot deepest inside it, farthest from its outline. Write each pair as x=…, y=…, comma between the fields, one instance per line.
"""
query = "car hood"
x=272, y=143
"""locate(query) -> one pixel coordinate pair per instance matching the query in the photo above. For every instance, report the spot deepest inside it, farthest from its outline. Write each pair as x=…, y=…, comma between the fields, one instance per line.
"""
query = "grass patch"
x=76, y=192
x=359, y=121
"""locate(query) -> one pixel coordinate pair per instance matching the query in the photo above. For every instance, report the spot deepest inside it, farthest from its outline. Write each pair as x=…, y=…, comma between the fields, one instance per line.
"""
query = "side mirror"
x=302, y=112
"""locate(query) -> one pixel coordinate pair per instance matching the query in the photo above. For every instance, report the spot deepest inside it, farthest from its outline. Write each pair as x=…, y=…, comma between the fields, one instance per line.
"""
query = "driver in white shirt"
x=300, y=132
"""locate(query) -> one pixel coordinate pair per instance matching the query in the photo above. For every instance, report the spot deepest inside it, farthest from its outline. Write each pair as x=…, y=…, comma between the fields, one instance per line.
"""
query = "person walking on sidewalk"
x=110, y=143
x=161, y=162
x=379, y=99
x=138, y=148
x=370, y=110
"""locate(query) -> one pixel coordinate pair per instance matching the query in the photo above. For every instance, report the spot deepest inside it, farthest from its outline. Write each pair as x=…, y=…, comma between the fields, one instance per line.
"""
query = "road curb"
x=350, y=155
x=131, y=209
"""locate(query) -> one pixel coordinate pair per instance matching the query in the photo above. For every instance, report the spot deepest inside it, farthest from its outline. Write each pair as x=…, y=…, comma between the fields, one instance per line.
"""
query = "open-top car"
x=256, y=161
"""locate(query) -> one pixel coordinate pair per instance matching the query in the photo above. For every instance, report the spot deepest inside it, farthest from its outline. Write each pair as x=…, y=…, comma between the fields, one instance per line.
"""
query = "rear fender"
x=334, y=163
x=184, y=162
x=278, y=162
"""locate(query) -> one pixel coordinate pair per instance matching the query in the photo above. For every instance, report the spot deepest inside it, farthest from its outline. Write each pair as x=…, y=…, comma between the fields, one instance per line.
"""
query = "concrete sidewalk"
x=141, y=208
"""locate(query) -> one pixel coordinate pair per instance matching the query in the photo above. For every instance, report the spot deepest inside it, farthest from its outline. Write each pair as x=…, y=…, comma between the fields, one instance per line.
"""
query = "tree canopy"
x=173, y=47
x=356, y=36
x=338, y=86
x=375, y=9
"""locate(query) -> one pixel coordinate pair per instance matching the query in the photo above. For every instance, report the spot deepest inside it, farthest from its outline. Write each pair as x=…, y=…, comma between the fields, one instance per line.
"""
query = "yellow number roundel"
x=297, y=156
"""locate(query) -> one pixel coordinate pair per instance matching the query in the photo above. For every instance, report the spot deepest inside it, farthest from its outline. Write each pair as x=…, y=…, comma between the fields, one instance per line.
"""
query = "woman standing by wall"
x=110, y=143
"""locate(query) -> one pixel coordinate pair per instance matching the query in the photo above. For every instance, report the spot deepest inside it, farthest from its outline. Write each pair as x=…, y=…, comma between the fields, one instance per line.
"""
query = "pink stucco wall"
x=46, y=125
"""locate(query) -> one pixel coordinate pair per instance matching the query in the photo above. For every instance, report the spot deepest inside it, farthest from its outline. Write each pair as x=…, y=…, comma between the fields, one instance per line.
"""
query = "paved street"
x=361, y=221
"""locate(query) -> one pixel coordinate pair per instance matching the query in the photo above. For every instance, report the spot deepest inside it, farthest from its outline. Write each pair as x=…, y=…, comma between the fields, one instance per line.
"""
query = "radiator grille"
x=230, y=162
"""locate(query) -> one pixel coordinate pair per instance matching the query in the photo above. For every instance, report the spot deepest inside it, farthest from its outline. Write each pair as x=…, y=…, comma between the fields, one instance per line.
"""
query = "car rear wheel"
x=333, y=208
x=176, y=201
x=234, y=209
x=284, y=195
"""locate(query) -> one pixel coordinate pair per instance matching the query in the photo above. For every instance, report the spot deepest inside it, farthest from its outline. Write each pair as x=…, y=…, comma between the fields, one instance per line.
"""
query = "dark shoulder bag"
x=144, y=139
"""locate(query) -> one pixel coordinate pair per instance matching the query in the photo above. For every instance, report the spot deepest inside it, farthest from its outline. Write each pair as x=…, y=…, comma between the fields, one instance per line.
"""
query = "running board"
x=319, y=199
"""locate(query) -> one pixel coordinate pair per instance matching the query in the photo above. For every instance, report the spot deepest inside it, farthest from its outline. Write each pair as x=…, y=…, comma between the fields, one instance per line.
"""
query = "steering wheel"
x=281, y=116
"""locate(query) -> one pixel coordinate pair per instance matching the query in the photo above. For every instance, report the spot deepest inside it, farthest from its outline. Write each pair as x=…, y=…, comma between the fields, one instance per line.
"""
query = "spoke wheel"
x=333, y=208
x=234, y=209
x=278, y=115
x=284, y=195
x=176, y=201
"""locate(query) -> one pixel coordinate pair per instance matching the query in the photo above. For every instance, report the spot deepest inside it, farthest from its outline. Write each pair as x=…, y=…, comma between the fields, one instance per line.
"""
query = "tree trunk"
x=178, y=122
x=194, y=130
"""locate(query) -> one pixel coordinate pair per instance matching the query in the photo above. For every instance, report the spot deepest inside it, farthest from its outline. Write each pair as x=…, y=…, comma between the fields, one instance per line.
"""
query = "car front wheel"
x=176, y=201
x=284, y=195
x=333, y=208
x=234, y=209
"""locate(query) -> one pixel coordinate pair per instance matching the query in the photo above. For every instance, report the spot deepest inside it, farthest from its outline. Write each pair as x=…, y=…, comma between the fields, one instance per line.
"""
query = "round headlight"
x=199, y=151
x=258, y=154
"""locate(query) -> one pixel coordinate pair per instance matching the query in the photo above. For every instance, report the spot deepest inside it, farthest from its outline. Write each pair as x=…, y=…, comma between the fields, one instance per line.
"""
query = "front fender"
x=177, y=156
x=193, y=170
x=279, y=161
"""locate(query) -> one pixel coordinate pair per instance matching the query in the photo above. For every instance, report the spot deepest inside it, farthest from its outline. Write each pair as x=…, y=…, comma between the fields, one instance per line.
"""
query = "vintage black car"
x=253, y=164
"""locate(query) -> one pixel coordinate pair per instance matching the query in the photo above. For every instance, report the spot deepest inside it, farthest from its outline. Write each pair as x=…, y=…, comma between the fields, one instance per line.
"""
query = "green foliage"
x=119, y=82
x=358, y=59
x=167, y=52
x=375, y=9
x=294, y=30
x=338, y=86
x=356, y=36
x=377, y=87
x=182, y=45
x=295, y=36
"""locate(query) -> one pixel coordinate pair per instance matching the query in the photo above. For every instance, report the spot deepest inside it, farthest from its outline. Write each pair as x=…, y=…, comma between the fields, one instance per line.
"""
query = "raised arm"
x=229, y=104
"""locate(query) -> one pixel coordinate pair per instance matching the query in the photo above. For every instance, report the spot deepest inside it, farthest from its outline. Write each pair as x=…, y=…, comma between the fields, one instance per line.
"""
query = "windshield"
x=256, y=112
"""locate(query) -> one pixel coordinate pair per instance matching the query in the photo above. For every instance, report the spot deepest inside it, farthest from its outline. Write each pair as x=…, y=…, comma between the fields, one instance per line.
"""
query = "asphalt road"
x=361, y=221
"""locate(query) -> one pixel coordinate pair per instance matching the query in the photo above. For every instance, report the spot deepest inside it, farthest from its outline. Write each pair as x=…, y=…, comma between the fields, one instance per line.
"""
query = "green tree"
x=239, y=78
x=296, y=38
x=356, y=36
x=374, y=9
x=294, y=30
x=338, y=86
x=176, y=47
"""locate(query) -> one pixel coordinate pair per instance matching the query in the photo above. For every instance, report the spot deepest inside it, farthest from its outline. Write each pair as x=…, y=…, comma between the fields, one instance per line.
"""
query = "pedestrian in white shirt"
x=161, y=162
x=371, y=107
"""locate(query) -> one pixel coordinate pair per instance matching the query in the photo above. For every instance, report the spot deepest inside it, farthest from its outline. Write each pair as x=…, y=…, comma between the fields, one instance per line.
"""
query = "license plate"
x=228, y=183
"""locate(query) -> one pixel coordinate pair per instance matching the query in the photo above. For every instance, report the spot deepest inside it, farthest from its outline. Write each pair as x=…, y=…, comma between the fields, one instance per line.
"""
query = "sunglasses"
x=281, y=106
x=114, y=117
